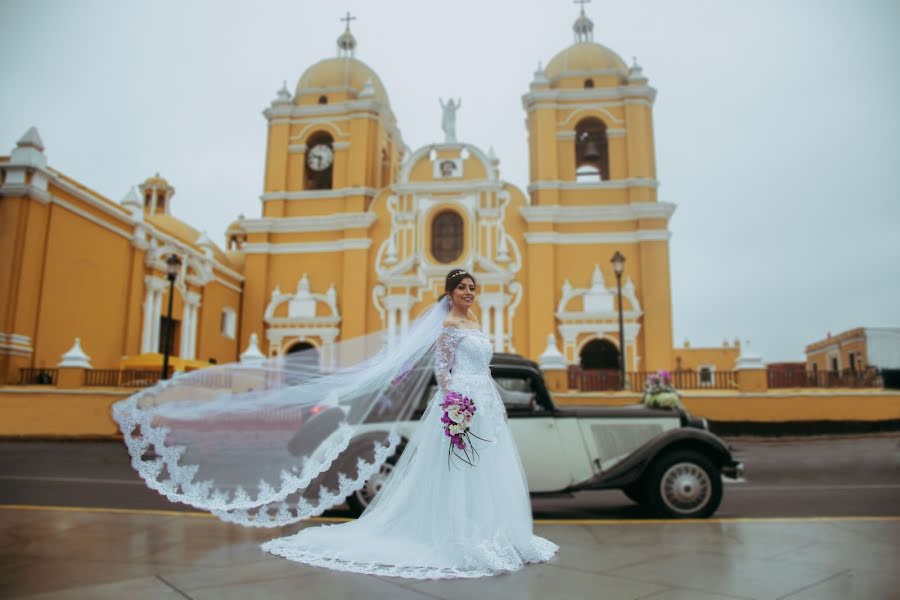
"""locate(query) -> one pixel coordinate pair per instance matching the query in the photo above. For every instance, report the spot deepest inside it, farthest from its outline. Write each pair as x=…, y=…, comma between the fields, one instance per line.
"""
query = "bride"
x=443, y=512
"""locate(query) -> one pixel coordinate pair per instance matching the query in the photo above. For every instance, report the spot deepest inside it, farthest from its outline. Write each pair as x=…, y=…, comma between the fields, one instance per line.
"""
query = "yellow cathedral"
x=357, y=233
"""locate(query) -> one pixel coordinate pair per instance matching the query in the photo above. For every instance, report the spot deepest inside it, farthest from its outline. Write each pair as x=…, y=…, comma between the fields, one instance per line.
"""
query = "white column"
x=157, y=313
x=195, y=323
x=392, y=325
x=498, y=328
x=486, y=320
x=147, y=333
x=404, y=319
x=185, y=342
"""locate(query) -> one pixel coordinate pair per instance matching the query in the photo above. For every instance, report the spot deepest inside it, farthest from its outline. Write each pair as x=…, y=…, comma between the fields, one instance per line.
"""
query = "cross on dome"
x=350, y=17
x=346, y=42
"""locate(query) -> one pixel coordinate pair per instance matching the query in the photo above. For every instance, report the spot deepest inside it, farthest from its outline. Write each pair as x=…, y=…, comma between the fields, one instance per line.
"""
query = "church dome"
x=340, y=74
x=582, y=58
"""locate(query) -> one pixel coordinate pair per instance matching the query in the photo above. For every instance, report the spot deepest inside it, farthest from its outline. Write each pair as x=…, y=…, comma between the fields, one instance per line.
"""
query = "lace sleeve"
x=446, y=346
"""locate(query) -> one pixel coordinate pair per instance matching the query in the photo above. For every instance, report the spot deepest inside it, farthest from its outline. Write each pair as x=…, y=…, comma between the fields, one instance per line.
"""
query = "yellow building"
x=855, y=350
x=74, y=264
x=358, y=232
x=709, y=365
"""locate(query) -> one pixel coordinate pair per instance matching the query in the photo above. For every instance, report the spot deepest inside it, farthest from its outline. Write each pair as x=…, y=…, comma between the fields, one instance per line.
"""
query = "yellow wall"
x=85, y=412
x=722, y=358
x=800, y=405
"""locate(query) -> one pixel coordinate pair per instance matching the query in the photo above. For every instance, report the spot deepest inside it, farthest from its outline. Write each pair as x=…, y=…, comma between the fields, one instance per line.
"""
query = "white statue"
x=448, y=122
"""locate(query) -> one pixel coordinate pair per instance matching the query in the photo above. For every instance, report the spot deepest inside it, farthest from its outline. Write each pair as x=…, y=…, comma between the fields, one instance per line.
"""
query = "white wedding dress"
x=433, y=519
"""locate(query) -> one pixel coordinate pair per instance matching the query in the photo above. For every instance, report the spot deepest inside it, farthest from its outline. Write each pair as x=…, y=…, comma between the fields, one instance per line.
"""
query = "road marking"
x=71, y=480
x=204, y=515
x=792, y=488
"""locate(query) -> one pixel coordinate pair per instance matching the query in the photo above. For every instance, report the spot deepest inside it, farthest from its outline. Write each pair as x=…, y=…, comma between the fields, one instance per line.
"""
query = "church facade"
x=357, y=231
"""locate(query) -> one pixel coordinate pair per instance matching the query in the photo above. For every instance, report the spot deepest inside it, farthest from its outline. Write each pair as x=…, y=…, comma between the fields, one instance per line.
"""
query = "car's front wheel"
x=359, y=500
x=684, y=484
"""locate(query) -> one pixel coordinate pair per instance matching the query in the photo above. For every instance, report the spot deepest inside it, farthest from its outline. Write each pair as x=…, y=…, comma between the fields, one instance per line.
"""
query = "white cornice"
x=335, y=222
x=593, y=214
x=336, y=109
x=623, y=237
x=319, y=194
x=308, y=247
x=90, y=217
x=611, y=184
x=557, y=98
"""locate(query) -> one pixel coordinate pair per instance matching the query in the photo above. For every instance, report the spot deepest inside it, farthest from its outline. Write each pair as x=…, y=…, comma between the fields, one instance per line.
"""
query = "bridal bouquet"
x=459, y=411
x=659, y=392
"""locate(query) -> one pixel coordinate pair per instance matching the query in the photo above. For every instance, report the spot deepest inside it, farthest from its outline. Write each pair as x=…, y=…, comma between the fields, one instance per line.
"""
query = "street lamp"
x=173, y=265
x=618, y=262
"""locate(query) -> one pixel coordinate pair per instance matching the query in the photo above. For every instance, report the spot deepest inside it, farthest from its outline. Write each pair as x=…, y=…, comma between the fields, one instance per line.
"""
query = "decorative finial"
x=636, y=72
x=283, y=94
x=583, y=27
x=346, y=42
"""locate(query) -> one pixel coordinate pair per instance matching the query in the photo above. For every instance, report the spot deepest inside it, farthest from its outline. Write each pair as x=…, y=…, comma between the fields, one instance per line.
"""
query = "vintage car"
x=663, y=459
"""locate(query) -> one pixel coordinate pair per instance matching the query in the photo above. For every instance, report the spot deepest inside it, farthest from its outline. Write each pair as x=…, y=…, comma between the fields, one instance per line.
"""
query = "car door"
x=536, y=432
x=610, y=434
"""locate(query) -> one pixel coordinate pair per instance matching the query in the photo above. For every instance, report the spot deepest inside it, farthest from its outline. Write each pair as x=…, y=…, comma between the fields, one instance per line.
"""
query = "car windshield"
x=517, y=393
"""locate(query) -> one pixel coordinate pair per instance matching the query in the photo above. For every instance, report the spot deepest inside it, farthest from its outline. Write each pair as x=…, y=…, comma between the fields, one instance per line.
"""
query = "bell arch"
x=591, y=150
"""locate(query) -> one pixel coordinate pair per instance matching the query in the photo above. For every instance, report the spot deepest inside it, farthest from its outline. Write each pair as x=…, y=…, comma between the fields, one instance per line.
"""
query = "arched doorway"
x=599, y=354
x=302, y=356
x=599, y=361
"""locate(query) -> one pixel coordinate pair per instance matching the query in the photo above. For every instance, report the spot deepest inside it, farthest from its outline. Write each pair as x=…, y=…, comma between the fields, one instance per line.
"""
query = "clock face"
x=319, y=157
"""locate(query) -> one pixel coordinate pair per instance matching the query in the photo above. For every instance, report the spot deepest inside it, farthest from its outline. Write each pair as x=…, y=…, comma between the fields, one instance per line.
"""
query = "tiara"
x=456, y=272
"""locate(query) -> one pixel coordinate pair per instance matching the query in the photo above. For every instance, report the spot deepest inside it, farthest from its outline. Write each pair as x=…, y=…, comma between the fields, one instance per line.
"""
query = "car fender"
x=633, y=467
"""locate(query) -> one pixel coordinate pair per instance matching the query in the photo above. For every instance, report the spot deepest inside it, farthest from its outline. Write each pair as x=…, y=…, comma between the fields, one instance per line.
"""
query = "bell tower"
x=333, y=145
x=593, y=188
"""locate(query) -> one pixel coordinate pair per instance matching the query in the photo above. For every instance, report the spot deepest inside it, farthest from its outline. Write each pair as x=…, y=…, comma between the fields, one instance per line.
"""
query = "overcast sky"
x=777, y=128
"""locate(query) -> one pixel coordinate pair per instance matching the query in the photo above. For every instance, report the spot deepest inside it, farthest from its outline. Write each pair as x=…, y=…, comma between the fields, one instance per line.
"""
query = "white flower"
x=457, y=429
x=455, y=415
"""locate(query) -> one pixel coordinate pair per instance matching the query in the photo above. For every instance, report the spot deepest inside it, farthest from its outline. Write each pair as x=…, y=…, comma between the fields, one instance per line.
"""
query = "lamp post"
x=618, y=262
x=173, y=265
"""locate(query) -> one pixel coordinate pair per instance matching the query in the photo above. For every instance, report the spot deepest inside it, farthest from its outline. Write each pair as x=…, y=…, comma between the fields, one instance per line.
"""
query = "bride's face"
x=463, y=295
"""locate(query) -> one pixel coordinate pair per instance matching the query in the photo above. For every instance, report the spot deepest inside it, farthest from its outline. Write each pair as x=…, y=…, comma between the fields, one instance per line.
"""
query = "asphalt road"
x=784, y=478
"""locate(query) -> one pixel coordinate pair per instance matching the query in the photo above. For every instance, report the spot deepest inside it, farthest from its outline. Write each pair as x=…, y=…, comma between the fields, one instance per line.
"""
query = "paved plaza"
x=96, y=554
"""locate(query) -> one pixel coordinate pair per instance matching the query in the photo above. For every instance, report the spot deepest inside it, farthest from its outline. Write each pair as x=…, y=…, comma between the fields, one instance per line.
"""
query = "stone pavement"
x=96, y=554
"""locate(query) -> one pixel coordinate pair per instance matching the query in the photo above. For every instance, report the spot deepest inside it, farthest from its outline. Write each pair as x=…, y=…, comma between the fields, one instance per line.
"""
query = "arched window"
x=447, y=236
x=591, y=150
x=588, y=84
x=319, y=164
x=323, y=99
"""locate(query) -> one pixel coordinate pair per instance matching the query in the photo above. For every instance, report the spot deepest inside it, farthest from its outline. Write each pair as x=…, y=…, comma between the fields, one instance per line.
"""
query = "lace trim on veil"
x=239, y=507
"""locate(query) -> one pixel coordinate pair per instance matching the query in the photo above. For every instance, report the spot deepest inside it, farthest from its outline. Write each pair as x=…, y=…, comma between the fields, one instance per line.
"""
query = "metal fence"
x=593, y=380
x=122, y=377
x=848, y=378
x=37, y=376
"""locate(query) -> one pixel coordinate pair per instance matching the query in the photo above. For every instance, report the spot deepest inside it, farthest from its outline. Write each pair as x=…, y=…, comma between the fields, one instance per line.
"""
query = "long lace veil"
x=271, y=443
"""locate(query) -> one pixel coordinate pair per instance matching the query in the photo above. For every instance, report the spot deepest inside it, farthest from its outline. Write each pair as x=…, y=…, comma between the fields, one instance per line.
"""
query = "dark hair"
x=453, y=279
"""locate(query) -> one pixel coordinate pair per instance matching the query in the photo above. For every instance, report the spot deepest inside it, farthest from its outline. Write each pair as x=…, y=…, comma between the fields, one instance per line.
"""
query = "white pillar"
x=486, y=320
x=498, y=328
x=157, y=313
x=404, y=319
x=185, y=342
x=195, y=323
x=392, y=325
x=147, y=333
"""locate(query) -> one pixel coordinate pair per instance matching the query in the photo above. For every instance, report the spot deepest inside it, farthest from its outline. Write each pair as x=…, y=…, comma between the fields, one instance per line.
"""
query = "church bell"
x=591, y=151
